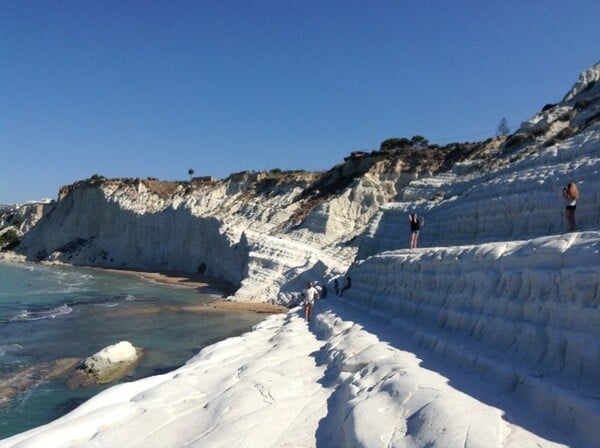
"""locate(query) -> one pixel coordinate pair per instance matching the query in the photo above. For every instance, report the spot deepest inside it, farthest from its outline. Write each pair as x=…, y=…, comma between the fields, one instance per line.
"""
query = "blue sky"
x=149, y=88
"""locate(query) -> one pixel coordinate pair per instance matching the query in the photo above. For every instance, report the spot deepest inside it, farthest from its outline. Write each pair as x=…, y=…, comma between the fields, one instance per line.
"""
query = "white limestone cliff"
x=497, y=291
x=587, y=81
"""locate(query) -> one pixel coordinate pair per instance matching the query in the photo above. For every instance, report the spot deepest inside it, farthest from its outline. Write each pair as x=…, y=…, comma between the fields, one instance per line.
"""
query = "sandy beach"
x=202, y=283
x=206, y=285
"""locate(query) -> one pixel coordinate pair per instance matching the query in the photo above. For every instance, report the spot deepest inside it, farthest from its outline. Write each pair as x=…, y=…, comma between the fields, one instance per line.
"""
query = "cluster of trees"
x=417, y=141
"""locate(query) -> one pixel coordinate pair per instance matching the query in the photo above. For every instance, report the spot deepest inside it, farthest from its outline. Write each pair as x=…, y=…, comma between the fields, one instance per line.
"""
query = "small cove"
x=50, y=313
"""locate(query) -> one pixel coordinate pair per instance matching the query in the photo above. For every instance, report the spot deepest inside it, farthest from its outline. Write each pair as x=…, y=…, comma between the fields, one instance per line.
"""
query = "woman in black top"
x=414, y=229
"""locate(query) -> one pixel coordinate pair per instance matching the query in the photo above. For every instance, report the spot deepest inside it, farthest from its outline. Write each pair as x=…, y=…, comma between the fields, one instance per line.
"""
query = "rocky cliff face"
x=267, y=232
x=270, y=232
x=515, y=192
x=15, y=220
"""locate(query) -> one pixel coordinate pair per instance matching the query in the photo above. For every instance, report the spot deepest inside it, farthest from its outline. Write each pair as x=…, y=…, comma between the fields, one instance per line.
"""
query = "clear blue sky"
x=149, y=88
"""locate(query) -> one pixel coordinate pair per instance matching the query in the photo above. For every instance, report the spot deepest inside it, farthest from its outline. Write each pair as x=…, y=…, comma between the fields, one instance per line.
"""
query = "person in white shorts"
x=310, y=294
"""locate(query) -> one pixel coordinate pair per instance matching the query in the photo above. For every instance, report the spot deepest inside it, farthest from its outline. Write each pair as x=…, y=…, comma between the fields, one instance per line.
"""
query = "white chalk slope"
x=488, y=336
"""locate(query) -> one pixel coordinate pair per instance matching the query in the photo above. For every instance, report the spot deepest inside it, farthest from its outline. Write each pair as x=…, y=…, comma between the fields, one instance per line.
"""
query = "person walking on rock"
x=570, y=193
x=310, y=293
x=415, y=227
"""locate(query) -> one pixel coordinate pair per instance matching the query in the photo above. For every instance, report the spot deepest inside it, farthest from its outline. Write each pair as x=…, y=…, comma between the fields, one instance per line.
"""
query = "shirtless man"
x=310, y=293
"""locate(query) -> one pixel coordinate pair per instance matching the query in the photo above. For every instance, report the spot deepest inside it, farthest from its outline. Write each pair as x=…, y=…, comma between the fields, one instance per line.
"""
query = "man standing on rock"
x=310, y=293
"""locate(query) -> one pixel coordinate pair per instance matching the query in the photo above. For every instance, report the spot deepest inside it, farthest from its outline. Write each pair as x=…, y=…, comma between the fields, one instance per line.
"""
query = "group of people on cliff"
x=570, y=194
x=315, y=291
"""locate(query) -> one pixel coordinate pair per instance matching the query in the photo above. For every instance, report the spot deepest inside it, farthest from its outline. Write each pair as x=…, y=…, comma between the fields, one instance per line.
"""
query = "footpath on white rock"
x=487, y=335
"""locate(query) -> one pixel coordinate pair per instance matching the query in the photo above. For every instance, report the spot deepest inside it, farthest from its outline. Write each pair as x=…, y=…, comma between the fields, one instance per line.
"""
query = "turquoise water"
x=48, y=313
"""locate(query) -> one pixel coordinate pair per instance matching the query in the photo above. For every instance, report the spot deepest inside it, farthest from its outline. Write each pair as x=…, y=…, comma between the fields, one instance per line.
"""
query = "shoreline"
x=202, y=283
x=24, y=378
x=206, y=285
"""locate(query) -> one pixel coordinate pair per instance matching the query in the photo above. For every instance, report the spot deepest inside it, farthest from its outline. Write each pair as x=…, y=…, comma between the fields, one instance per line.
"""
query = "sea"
x=49, y=313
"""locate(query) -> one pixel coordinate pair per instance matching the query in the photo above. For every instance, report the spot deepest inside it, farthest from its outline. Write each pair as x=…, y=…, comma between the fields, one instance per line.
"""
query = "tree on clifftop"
x=503, y=129
x=418, y=141
x=393, y=143
x=191, y=172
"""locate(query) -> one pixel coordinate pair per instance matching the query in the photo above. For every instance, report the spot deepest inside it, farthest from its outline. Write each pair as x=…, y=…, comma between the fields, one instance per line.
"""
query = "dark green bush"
x=548, y=107
x=8, y=237
x=419, y=141
x=393, y=143
x=516, y=139
x=538, y=132
x=17, y=221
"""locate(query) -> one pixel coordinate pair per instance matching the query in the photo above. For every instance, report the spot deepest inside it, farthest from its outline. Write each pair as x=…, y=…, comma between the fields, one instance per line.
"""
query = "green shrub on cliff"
x=8, y=237
x=393, y=143
x=417, y=141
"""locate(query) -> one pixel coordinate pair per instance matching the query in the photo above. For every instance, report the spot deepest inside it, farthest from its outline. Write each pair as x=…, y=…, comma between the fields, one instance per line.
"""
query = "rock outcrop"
x=109, y=364
x=16, y=220
x=24, y=378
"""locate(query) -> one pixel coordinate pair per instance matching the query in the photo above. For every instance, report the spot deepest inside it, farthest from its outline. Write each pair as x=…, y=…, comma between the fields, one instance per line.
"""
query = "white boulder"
x=121, y=352
x=109, y=364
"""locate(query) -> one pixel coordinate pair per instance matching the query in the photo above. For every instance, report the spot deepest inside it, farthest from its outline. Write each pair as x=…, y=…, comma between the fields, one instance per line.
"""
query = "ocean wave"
x=70, y=284
x=115, y=301
x=107, y=304
x=10, y=348
x=73, y=279
x=101, y=301
x=27, y=315
x=33, y=311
